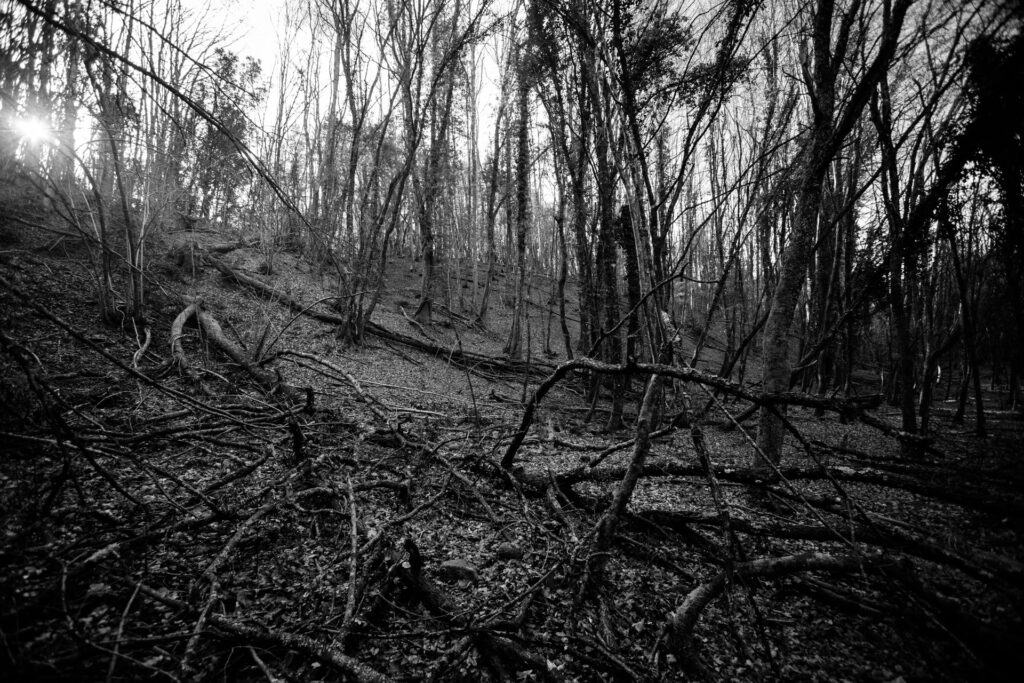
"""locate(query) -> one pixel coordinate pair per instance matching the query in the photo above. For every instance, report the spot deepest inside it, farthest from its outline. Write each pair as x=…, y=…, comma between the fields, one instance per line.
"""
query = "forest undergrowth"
x=244, y=498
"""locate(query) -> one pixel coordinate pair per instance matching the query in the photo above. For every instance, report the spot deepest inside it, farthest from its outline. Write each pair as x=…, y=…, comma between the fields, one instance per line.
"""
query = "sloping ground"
x=157, y=526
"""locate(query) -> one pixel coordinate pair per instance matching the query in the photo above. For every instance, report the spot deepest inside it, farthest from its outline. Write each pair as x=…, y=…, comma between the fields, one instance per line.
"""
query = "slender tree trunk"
x=825, y=138
x=629, y=249
x=513, y=347
x=964, y=390
x=928, y=381
x=970, y=336
x=491, y=217
x=1013, y=259
x=584, y=255
x=904, y=346
x=899, y=262
x=431, y=188
x=563, y=274
x=607, y=276
x=776, y=353
x=795, y=256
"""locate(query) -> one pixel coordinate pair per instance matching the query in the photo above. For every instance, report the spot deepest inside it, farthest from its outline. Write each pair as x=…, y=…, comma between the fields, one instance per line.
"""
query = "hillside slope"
x=323, y=512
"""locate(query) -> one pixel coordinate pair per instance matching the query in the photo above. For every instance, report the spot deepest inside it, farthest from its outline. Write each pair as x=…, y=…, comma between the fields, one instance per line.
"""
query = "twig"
x=291, y=641
x=350, y=600
x=120, y=630
x=210, y=574
x=263, y=666
x=470, y=485
x=370, y=401
x=422, y=506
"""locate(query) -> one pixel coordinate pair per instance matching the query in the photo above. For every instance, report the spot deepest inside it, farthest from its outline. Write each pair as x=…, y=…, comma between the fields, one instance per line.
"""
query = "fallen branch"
x=211, y=576
x=981, y=565
x=853, y=408
x=472, y=361
x=606, y=526
x=979, y=499
x=371, y=401
x=266, y=290
x=680, y=622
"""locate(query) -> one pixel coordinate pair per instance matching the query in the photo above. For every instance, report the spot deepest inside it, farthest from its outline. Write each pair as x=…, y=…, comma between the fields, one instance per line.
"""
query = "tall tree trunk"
x=563, y=273
x=930, y=375
x=584, y=254
x=629, y=249
x=970, y=334
x=793, y=269
x=825, y=138
x=491, y=216
x=899, y=261
x=1013, y=263
x=607, y=270
x=513, y=347
x=430, y=191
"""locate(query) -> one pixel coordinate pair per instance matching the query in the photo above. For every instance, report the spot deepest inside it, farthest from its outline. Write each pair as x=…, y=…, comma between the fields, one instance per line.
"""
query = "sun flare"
x=32, y=130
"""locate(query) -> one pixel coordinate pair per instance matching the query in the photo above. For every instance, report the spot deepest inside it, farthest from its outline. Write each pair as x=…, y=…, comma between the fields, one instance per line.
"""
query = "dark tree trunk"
x=513, y=347
x=825, y=138
x=563, y=274
x=628, y=242
x=970, y=332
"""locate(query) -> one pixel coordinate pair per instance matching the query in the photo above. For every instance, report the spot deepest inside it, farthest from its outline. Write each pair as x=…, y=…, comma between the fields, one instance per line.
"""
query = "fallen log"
x=848, y=409
x=263, y=288
x=986, y=499
x=474, y=362
x=978, y=564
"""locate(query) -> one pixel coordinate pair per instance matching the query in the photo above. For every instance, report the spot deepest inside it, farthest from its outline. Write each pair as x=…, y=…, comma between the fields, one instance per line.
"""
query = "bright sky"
x=249, y=25
x=254, y=28
x=255, y=23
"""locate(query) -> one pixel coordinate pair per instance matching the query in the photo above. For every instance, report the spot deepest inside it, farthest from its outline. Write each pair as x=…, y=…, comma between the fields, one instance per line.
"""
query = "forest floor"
x=205, y=521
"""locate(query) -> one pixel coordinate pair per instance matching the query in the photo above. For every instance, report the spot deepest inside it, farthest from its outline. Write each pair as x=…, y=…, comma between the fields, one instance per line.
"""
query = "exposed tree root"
x=270, y=382
x=178, y=357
